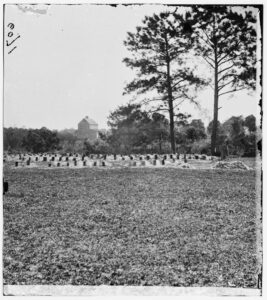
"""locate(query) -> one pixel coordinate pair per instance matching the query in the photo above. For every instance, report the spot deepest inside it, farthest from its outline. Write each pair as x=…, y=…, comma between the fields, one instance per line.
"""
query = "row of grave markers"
x=103, y=164
x=58, y=159
x=134, y=163
x=28, y=162
x=104, y=157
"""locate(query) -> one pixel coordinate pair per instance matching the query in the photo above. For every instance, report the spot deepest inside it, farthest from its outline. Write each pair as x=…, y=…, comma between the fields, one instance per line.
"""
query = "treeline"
x=133, y=130
x=18, y=140
x=30, y=140
x=136, y=131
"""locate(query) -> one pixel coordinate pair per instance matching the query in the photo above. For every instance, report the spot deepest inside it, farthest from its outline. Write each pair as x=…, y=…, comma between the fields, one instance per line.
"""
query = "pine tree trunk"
x=170, y=99
x=216, y=97
x=172, y=126
x=215, y=114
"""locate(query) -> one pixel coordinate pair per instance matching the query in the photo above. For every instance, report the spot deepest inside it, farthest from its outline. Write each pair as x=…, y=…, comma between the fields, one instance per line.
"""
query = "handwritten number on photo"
x=10, y=39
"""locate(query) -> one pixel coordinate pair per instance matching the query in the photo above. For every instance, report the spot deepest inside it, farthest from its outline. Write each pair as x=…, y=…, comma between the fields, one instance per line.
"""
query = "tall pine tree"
x=158, y=50
x=225, y=37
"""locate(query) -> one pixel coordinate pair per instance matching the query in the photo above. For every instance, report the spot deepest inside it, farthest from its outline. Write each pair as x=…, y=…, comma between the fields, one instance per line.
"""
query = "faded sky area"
x=68, y=64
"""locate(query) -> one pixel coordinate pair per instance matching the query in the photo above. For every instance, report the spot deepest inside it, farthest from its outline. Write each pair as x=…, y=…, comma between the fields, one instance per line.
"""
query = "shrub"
x=97, y=147
x=202, y=147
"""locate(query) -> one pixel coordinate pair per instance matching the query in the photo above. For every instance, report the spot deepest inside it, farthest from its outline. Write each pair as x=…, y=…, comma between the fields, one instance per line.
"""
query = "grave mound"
x=185, y=166
x=239, y=165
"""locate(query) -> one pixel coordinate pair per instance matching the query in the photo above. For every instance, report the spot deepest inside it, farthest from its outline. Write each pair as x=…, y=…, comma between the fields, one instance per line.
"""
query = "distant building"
x=87, y=129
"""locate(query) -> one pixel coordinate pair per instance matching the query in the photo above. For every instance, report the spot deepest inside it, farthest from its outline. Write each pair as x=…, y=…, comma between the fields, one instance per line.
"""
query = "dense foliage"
x=30, y=140
x=134, y=130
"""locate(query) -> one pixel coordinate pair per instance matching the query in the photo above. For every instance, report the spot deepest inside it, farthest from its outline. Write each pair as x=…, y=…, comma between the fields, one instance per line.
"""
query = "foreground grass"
x=130, y=227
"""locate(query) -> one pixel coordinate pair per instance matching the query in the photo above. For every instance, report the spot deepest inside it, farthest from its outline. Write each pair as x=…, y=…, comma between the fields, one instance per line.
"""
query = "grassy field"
x=130, y=227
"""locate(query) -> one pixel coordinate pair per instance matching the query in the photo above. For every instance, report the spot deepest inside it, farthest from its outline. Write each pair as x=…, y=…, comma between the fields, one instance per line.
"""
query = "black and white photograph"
x=132, y=149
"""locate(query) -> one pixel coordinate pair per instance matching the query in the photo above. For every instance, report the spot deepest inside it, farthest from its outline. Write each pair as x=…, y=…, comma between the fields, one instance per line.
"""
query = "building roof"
x=89, y=120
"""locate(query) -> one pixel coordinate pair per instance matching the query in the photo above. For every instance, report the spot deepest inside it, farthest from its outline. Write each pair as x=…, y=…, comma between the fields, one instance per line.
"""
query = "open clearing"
x=131, y=227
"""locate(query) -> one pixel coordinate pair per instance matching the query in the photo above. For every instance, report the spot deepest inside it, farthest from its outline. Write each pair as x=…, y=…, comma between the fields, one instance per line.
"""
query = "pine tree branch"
x=208, y=62
x=191, y=99
x=227, y=75
x=224, y=85
x=236, y=90
x=210, y=59
x=177, y=50
x=158, y=109
x=206, y=42
x=176, y=105
x=208, y=38
x=180, y=87
x=211, y=86
x=146, y=101
x=227, y=54
x=177, y=97
x=225, y=69
x=219, y=61
x=178, y=83
x=142, y=48
x=225, y=61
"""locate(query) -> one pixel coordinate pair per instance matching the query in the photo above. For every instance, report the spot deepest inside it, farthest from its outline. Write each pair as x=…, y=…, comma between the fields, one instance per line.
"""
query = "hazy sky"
x=68, y=64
